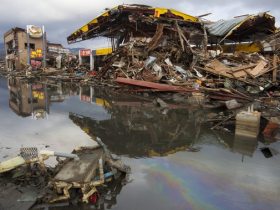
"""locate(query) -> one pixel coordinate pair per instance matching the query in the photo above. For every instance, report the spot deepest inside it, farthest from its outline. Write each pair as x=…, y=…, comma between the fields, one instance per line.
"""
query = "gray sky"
x=62, y=17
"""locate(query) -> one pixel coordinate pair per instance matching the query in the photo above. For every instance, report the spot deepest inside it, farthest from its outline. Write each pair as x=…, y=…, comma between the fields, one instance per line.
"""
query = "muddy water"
x=177, y=161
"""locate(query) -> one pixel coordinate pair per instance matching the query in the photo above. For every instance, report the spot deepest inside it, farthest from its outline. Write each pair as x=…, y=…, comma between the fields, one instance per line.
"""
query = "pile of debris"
x=82, y=177
x=162, y=55
x=147, y=42
x=166, y=46
x=247, y=68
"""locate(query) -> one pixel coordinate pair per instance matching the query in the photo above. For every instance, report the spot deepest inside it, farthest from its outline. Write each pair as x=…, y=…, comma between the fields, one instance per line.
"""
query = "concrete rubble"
x=87, y=175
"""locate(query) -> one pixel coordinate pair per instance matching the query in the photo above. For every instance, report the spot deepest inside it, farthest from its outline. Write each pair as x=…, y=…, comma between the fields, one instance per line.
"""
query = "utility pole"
x=28, y=45
x=44, y=46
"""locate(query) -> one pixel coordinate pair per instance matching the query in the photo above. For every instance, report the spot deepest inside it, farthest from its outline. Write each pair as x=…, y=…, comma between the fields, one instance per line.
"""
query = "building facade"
x=16, y=48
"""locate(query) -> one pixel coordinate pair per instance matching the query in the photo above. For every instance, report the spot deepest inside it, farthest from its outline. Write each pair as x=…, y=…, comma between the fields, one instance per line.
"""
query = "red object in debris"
x=93, y=198
x=270, y=129
x=152, y=85
x=92, y=73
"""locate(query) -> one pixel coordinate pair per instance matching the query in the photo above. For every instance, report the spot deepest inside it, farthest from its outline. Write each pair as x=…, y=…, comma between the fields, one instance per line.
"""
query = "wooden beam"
x=274, y=72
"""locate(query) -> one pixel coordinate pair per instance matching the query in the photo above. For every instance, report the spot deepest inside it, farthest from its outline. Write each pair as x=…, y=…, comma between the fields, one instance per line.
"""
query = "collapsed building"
x=231, y=62
x=165, y=45
x=141, y=31
x=59, y=56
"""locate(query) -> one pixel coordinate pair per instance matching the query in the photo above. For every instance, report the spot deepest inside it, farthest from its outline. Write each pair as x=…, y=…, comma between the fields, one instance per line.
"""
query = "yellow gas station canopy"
x=109, y=23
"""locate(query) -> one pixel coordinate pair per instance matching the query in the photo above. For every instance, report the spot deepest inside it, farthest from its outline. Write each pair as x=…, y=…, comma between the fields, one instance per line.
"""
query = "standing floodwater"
x=177, y=162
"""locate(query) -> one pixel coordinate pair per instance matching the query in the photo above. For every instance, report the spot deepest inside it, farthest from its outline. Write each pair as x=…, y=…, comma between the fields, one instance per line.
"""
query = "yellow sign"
x=38, y=95
x=36, y=53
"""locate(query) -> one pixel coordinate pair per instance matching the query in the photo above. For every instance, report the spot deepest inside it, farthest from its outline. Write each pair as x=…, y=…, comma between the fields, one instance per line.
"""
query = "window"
x=32, y=46
x=9, y=47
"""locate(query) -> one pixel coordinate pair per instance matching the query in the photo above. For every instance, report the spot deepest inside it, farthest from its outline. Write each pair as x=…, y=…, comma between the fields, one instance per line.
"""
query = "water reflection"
x=192, y=167
x=140, y=129
x=28, y=99
x=135, y=127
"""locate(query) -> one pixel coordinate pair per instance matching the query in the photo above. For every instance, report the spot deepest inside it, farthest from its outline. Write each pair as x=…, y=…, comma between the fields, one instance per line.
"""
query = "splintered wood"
x=240, y=72
x=258, y=69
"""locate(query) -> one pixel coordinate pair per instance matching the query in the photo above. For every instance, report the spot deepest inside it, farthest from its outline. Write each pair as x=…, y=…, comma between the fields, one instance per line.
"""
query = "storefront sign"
x=85, y=53
x=34, y=31
x=36, y=53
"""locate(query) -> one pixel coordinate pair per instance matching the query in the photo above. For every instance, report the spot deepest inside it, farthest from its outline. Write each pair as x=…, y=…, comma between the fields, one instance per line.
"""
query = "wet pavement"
x=177, y=162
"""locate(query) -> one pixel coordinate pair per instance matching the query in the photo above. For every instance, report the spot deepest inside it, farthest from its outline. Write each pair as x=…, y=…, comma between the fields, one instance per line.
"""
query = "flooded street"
x=176, y=161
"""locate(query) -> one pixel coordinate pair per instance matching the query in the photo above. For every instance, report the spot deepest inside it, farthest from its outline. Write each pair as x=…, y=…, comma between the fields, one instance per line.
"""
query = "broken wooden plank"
x=215, y=72
x=156, y=38
x=274, y=72
x=243, y=67
x=239, y=74
x=258, y=69
x=218, y=66
x=227, y=75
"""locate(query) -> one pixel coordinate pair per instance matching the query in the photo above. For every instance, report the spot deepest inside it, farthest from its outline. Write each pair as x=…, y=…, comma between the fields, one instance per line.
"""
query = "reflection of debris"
x=266, y=152
x=161, y=103
x=78, y=178
x=143, y=128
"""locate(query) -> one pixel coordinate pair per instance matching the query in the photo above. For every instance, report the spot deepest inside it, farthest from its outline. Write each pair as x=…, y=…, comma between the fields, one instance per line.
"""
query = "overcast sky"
x=62, y=17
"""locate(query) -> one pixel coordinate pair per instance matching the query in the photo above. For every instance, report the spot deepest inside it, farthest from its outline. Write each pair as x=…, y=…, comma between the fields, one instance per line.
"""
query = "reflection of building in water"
x=245, y=146
x=34, y=99
x=140, y=130
x=91, y=95
x=55, y=93
x=238, y=144
x=28, y=99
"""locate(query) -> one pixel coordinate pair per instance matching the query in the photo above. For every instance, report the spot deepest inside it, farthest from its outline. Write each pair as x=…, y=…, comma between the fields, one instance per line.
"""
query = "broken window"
x=32, y=46
x=9, y=46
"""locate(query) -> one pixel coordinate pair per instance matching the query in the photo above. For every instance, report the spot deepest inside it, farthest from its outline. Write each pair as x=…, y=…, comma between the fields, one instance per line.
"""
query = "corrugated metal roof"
x=222, y=27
